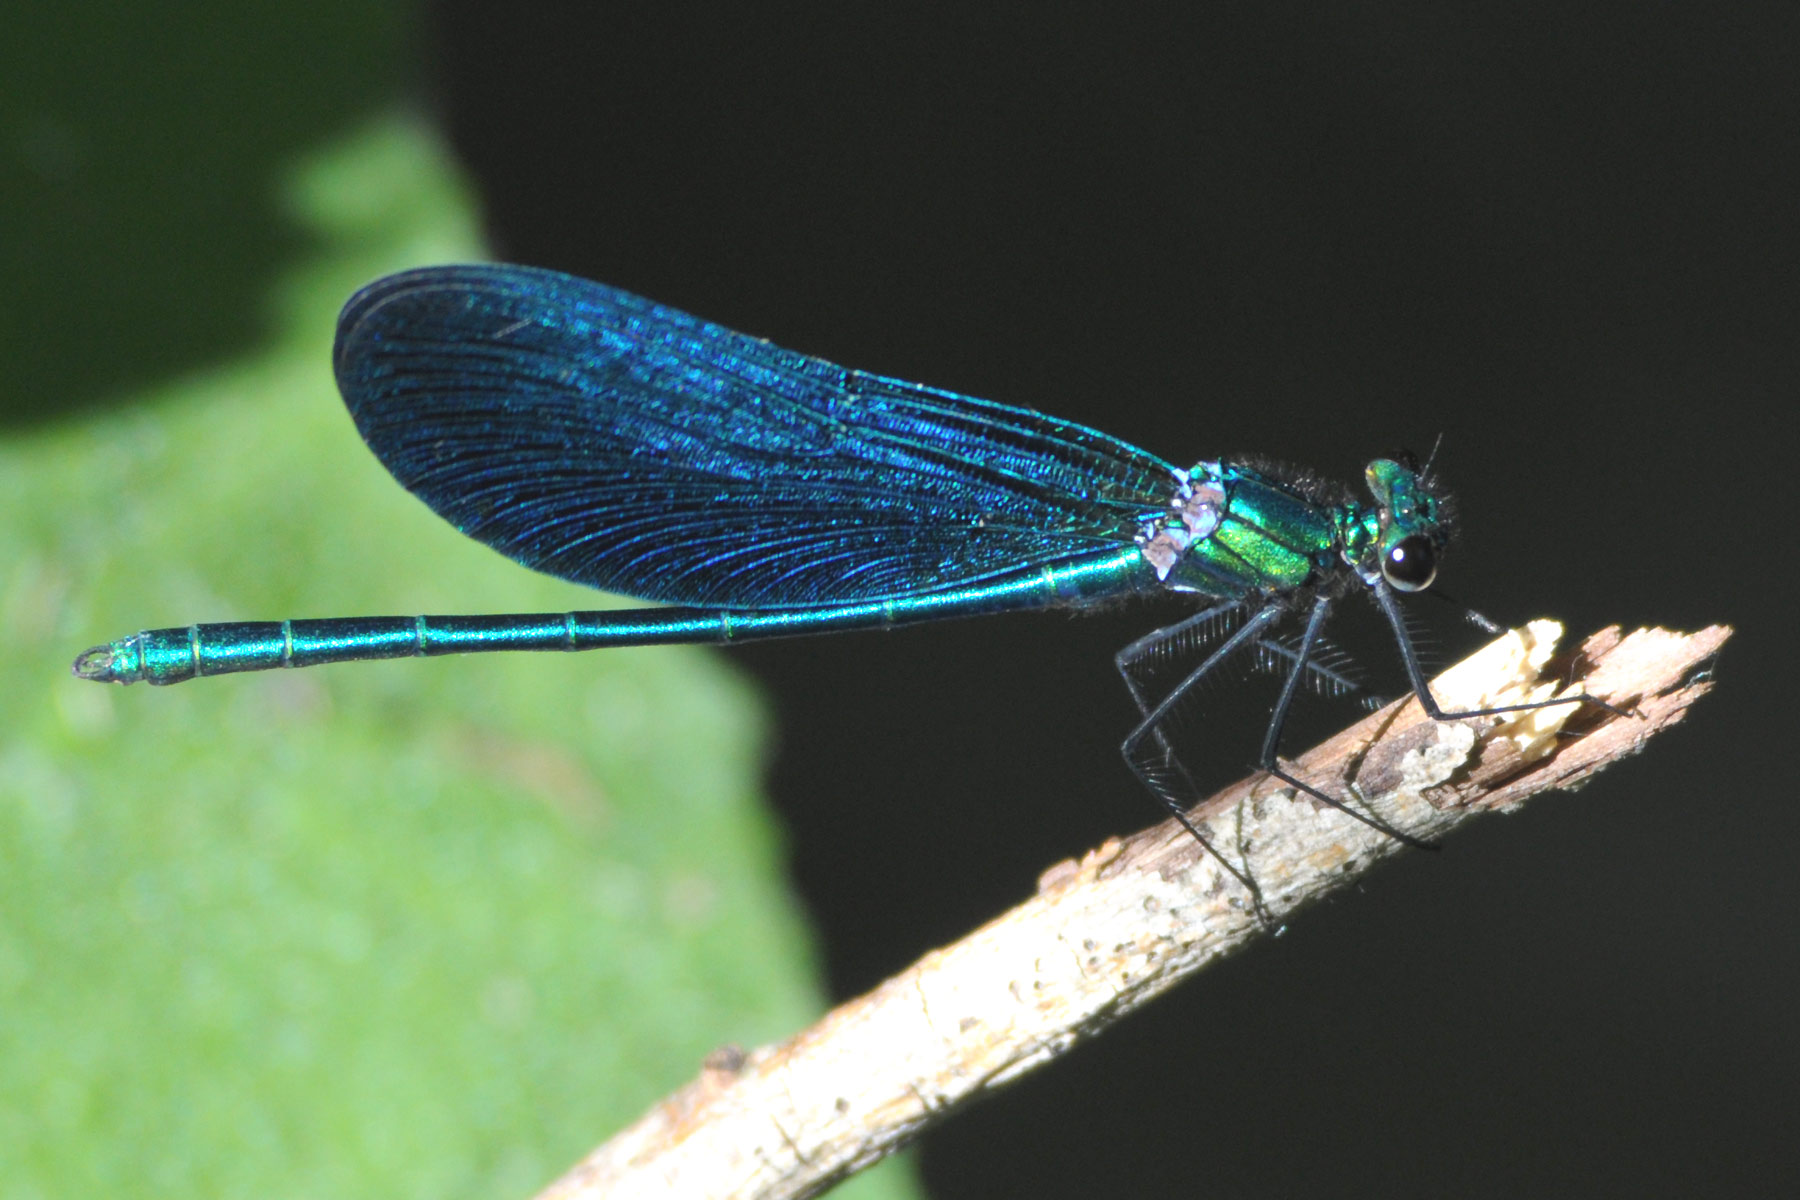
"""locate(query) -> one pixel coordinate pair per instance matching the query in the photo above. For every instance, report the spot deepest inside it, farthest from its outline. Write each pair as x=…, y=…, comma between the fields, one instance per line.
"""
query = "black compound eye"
x=1411, y=565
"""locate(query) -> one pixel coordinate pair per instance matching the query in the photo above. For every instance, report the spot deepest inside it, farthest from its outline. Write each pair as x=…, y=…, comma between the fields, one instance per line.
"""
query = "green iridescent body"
x=1234, y=532
x=1231, y=533
x=614, y=442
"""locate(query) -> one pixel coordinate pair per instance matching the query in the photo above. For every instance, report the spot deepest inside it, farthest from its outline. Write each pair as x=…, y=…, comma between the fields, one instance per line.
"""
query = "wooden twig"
x=1134, y=917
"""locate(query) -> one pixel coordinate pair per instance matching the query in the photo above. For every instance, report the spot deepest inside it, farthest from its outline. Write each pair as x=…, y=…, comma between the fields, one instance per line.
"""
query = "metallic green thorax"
x=1235, y=532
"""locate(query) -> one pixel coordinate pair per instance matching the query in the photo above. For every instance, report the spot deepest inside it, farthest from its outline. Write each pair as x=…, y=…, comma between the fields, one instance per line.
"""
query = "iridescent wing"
x=594, y=435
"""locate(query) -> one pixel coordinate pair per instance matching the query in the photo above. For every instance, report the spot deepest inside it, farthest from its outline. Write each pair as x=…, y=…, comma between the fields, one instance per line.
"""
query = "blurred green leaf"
x=418, y=928
x=137, y=148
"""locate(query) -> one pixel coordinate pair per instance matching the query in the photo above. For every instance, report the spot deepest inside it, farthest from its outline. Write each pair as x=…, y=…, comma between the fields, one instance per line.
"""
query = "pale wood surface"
x=1131, y=919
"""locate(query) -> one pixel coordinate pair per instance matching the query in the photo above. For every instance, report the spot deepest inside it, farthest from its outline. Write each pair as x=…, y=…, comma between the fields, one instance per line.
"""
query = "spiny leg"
x=1479, y=620
x=1390, y=608
x=1270, y=759
x=1328, y=680
x=1127, y=661
x=1150, y=727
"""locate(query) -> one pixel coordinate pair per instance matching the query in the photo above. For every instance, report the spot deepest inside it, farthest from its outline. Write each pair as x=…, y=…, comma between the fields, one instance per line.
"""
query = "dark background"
x=1562, y=238
x=1563, y=242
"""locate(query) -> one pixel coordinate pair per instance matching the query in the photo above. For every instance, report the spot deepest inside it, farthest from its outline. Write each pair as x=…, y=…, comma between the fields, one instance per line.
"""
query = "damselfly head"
x=1412, y=533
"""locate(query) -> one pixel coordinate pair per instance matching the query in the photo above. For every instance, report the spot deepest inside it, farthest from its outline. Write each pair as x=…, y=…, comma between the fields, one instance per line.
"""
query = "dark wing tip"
x=356, y=324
